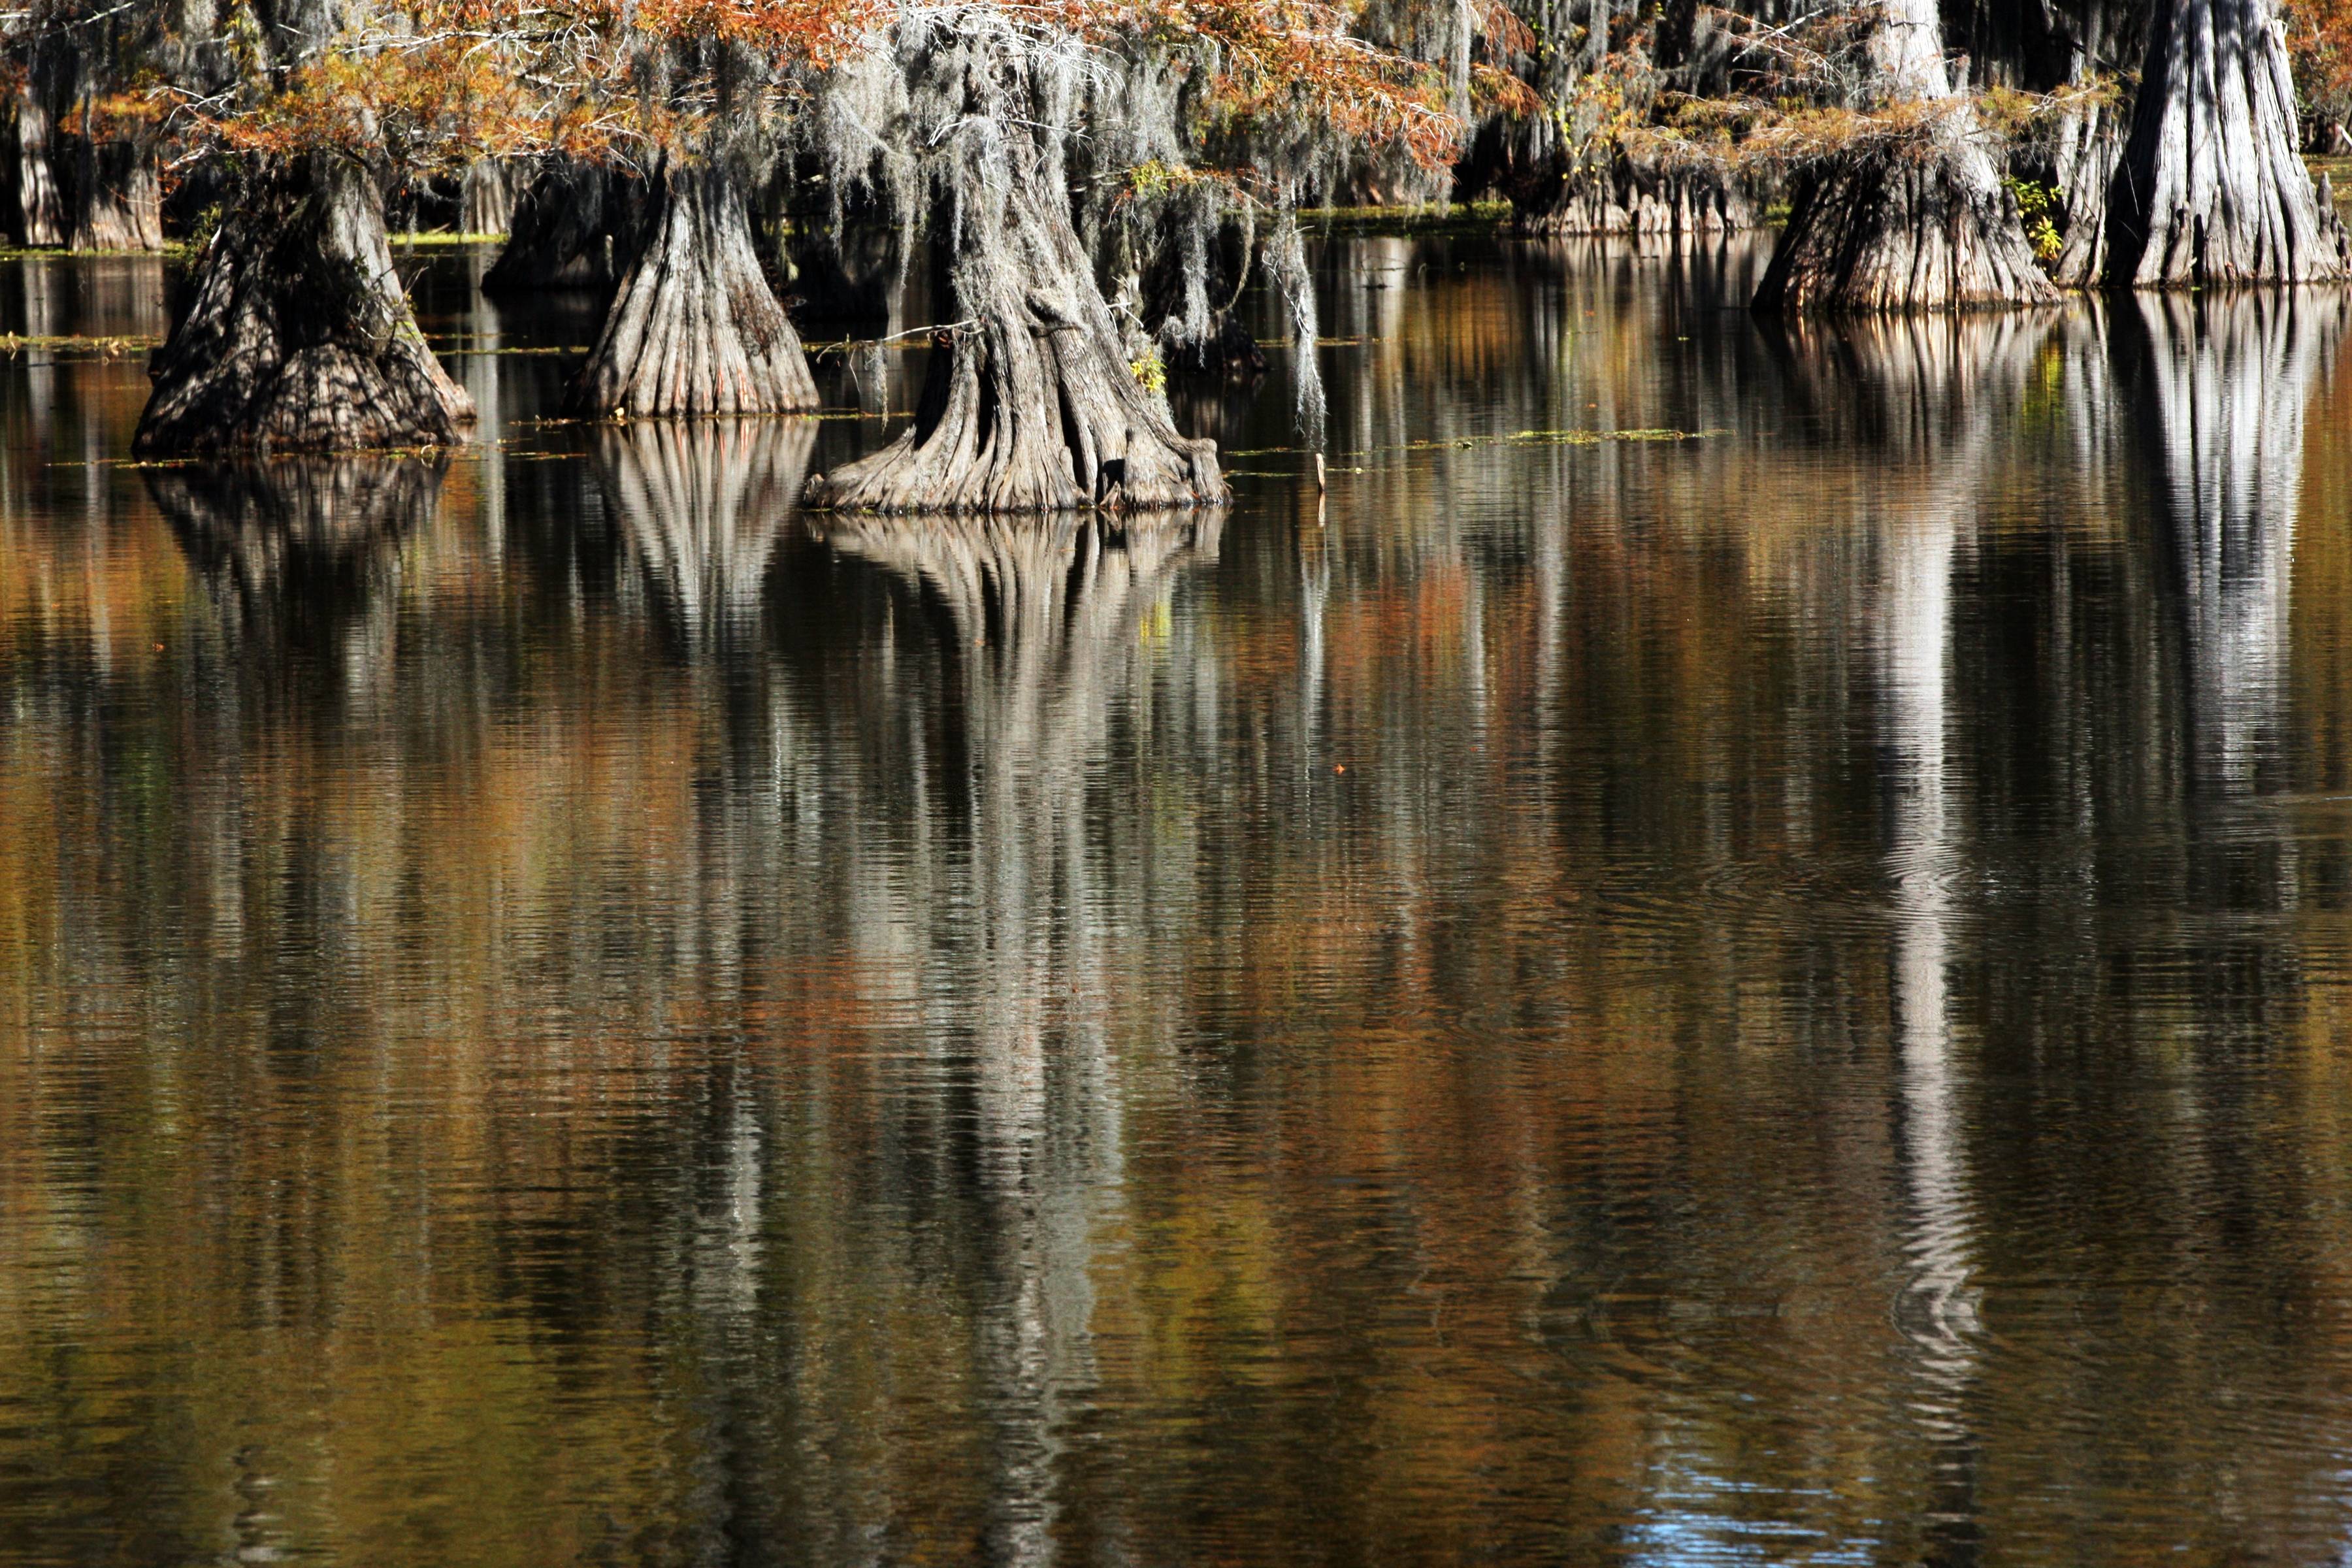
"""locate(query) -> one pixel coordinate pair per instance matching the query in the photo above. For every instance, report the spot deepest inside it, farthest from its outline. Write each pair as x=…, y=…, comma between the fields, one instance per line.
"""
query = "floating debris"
x=15, y=343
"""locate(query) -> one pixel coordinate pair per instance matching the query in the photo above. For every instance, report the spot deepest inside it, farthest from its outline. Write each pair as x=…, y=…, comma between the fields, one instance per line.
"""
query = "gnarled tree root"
x=694, y=329
x=300, y=337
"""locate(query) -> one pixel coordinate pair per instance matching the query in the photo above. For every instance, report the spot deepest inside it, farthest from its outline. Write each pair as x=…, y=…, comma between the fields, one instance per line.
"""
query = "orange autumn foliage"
x=440, y=82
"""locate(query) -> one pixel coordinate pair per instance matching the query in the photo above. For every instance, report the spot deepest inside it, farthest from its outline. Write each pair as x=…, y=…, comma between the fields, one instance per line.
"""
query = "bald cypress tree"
x=298, y=334
x=2211, y=188
x=1911, y=214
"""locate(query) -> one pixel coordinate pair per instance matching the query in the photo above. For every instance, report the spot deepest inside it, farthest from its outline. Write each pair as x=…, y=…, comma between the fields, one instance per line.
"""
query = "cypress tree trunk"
x=40, y=210
x=574, y=227
x=2211, y=188
x=1031, y=404
x=1630, y=198
x=486, y=198
x=118, y=197
x=694, y=329
x=298, y=336
x=1906, y=222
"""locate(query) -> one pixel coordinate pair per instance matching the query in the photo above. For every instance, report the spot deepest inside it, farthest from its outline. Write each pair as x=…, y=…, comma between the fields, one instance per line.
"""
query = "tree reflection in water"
x=2229, y=376
x=559, y=1006
x=700, y=502
x=1049, y=616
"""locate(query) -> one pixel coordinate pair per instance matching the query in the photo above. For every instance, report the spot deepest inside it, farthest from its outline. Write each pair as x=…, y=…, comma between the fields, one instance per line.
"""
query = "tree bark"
x=694, y=329
x=1907, y=220
x=40, y=210
x=574, y=227
x=486, y=198
x=298, y=336
x=1030, y=405
x=2211, y=188
x=118, y=197
x=1630, y=198
x=1922, y=226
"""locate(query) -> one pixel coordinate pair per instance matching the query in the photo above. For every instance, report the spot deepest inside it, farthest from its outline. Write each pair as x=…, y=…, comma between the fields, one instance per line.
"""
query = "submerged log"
x=1911, y=217
x=1030, y=403
x=298, y=336
x=2211, y=188
x=694, y=329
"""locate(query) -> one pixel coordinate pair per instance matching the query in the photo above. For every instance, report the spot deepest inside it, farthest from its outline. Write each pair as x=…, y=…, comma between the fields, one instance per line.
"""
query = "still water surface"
x=1779, y=996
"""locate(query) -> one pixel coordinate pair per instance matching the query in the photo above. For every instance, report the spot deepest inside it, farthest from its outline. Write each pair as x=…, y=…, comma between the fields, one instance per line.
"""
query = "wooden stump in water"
x=2211, y=188
x=1030, y=400
x=694, y=329
x=300, y=337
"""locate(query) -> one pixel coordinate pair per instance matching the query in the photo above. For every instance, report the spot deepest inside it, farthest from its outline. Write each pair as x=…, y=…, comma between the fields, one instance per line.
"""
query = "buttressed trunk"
x=694, y=329
x=118, y=197
x=1915, y=221
x=2211, y=189
x=486, y=198
x=40, y=218
x=298, y=336
x=1031, y=405
x=572, y=227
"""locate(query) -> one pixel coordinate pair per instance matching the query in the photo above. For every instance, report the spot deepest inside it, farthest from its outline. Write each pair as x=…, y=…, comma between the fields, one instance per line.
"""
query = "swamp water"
x=1778, y=996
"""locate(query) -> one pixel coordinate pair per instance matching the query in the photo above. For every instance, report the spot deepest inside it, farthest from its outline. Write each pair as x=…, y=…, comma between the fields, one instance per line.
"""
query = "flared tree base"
x=2211, y=188
x=1031, y=405
x=121, y=204
x=1634, y=200
x=694, y=329
x=300, y=337
x=1919, y=224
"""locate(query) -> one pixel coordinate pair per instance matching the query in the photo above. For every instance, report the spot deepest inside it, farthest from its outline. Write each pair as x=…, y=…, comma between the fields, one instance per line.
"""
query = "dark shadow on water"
x=299, y=548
